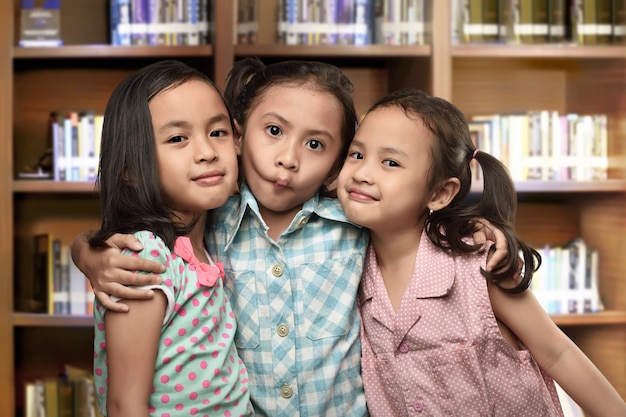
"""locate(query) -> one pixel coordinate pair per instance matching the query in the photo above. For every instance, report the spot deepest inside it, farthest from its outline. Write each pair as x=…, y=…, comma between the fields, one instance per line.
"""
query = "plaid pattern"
x=307, y=281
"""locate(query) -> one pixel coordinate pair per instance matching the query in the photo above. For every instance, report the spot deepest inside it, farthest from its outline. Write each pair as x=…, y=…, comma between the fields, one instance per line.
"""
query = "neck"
x=392, y=246
x=196, y=236
x=278, y=222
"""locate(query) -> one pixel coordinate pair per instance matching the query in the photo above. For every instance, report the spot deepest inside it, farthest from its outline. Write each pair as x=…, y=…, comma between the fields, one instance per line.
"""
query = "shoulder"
x=330, y=209
x=154, y=248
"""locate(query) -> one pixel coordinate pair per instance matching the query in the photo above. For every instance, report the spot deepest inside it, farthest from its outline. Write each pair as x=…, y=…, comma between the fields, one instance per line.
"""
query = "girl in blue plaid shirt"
x=293, y=262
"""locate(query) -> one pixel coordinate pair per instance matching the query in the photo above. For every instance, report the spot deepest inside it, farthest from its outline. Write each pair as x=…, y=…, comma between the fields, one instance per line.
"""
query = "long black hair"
x=128, y=176
x=452, y=150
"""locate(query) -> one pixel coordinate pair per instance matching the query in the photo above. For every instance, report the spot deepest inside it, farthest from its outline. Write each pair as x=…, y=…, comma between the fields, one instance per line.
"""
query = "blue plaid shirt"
x=295, y=304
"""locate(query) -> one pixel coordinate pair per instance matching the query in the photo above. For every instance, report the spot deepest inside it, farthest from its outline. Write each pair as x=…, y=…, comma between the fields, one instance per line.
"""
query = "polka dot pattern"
x=441, y=353
x=198, y=371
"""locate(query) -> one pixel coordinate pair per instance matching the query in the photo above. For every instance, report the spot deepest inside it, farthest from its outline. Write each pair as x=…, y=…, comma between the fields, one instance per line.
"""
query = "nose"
x=288, y=156
x=205, y=151
x=363, y=173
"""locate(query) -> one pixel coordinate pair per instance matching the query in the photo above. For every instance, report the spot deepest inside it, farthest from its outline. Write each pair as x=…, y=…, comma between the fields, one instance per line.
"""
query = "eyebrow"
x=182, y=123
x=385, y=150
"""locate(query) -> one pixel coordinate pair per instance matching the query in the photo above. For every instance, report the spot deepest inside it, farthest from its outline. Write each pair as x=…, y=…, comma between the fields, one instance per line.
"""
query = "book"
x=540, y=21
x=40, y=23
x=34, y=399
x=619, y=22
x=556, y=21
x=604, y=21
x=43, y=273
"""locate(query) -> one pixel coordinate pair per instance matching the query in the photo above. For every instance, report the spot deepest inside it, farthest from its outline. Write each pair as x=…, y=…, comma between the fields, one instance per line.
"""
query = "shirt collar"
x=435, y=279
x=327, y=208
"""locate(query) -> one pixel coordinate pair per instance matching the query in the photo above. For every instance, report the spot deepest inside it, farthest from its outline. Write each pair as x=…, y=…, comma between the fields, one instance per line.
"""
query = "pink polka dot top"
x=441, y=353
x=198, y=371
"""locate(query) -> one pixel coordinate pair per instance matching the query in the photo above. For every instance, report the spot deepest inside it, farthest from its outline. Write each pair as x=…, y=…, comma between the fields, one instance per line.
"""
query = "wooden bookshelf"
x=480, y=79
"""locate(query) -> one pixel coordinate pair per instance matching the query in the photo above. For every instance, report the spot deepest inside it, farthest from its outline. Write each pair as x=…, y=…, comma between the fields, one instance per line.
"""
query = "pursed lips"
x=280, y=184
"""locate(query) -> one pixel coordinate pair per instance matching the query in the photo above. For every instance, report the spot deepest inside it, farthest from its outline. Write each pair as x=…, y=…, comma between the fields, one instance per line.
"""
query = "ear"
x=445, y=192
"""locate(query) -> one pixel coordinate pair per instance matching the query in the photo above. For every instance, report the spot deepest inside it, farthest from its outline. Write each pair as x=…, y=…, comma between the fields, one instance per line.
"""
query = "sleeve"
x=154, y=249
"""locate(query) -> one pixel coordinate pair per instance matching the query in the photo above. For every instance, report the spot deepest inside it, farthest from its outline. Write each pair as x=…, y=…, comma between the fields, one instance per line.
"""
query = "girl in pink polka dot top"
x=440, y=336
x=167, y=156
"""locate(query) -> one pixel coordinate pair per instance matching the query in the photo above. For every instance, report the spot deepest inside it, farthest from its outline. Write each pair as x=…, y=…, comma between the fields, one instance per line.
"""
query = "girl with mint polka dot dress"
x=168, y=137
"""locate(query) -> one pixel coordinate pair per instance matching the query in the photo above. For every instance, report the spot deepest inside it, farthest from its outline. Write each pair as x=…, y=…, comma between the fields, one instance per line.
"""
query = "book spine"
x=619, y=22
x=604, y=21
x=556, y=21
x=540, y=21
x=491, y=21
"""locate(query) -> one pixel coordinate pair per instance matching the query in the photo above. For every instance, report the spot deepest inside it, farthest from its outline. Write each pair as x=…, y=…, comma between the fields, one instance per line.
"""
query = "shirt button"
x=286, y=391
x=302, y=221
x=403, y=348
x=418, y=406
x=277, y=270
x=282, y=330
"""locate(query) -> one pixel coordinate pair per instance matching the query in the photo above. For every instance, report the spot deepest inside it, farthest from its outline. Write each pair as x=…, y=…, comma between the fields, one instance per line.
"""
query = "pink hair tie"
x=474, y=154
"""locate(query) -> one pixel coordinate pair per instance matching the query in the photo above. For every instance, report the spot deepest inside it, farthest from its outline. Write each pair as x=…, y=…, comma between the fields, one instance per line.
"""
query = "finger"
x=109, y=304
x=128, y=293
x=134, y=279
x=133, y=263
x=496, y=256
x=125, y=242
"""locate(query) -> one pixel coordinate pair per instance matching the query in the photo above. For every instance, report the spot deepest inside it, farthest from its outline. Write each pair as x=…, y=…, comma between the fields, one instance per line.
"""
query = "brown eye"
x=274, y=130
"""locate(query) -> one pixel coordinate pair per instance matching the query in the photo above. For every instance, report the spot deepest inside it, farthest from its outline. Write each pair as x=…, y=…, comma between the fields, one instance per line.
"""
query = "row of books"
x=71, y=394
x=75, y=145
x=159, y=22
x=351, y=22
x=58, y=286
x=544, y=145
x=584, y=22
x=567, y=281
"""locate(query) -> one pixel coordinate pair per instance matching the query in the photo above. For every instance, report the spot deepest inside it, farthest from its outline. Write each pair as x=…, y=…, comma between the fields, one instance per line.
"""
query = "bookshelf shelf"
x=601, y=318
x=46, y=320
x=370, y=51
x=108, y=51
x=539, y=51
x=49, y=186
x=564, y=187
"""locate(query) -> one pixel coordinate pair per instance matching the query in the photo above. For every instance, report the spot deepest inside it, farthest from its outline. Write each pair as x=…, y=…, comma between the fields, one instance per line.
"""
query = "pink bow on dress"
x=207, y=274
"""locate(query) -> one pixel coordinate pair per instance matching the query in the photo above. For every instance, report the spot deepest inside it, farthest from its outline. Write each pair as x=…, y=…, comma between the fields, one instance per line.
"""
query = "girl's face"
x=291, y=141
x=195, y=147
x=383, y=182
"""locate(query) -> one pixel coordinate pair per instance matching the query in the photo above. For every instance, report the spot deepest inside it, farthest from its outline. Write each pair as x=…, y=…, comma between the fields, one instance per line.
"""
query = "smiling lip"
x=360, y=195
x=209, y=178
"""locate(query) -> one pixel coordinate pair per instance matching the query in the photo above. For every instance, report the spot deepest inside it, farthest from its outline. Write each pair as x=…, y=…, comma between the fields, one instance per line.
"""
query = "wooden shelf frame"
x=467, y=75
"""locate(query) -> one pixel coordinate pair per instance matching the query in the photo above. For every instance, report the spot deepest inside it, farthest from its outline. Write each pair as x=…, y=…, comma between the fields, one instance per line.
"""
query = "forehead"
x=394, y=125
x=303, y=105
x=191, y=98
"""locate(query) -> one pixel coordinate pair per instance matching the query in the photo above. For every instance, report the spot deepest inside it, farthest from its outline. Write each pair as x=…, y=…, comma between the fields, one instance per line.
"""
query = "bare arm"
x=131, y=359
x=110, y=272
x=556, y=354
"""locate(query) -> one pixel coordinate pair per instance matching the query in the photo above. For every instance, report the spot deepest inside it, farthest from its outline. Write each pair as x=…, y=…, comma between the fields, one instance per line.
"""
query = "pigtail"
x=498, y=204
x=242, y=73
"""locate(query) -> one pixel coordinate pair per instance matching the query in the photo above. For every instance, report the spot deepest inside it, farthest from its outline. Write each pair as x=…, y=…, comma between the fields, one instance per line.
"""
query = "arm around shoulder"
x=109, y=271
